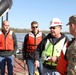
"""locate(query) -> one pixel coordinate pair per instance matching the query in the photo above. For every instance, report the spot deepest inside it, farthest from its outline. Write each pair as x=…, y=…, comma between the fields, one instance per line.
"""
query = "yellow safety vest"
x=52, y=50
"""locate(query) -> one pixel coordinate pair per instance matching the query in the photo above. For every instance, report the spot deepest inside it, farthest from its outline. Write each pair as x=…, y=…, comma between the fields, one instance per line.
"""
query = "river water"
x=20, y=38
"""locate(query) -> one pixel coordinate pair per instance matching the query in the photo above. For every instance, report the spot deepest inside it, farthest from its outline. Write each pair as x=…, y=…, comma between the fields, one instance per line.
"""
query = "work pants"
x=9, y=61
x=31, y=67
x=47, y=71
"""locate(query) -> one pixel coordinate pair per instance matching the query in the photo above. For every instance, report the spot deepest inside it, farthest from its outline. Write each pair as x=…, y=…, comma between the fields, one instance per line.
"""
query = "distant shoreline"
x=17, y=30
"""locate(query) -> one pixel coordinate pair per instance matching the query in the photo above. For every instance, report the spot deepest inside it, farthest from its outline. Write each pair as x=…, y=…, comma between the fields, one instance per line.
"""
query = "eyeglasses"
x=52, y=28
x=34, y=26
x=5, y=25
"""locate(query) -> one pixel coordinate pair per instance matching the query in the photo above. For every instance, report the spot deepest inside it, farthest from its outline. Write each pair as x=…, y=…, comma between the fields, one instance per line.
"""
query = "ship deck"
x=18, y=67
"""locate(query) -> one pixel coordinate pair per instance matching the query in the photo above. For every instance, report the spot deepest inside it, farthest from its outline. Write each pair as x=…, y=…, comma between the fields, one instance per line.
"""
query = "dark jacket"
x=28, y=55
x=41, y=46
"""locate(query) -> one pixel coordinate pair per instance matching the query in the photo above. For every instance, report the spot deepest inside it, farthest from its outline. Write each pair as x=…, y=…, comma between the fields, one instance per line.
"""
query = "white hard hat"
x=55, y=22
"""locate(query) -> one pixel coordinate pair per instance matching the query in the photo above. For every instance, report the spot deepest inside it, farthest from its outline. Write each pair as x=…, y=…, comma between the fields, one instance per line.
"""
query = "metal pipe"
x=5, y=5
x=7, y=16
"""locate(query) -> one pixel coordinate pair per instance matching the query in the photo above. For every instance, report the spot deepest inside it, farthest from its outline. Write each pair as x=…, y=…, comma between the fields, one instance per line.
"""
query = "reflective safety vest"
x=52, y=50
x=6, y=43
x=33, y=41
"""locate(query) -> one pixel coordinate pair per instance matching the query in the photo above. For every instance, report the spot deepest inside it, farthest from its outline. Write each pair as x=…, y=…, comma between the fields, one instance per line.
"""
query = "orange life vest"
x=62, y=65
x=33, y=41
x=62, y=62
x=6, y=43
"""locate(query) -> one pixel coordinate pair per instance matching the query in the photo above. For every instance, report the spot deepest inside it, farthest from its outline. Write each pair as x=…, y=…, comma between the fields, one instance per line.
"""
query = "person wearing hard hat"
x=50, y=47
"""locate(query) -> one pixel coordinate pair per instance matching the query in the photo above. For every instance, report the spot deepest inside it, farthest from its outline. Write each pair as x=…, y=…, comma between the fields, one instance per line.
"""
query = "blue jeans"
x=31, y=67
x=9, y=61
x=47, y=71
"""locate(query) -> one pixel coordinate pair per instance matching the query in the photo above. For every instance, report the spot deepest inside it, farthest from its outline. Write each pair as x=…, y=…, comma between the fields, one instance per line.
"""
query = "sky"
x=23, y=12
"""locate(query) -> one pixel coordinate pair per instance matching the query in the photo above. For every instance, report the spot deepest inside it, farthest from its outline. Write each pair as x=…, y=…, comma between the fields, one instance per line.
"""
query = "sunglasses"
x=52, y=28
x=35, y=27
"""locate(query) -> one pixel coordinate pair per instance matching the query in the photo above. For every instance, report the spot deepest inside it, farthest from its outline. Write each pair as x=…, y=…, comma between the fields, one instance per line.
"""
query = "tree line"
x=17, y=30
